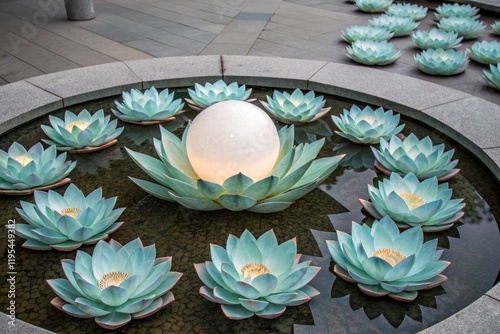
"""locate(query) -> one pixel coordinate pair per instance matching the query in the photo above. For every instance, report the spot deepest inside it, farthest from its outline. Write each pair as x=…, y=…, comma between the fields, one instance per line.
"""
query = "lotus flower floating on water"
x=82, y=133
x=412, y=203
x=493, y=77
x=385, y=262
x=204, y=96
x=256, y=276
x=66, y=222
x=441, y=62
x=355, y=33
x=484, y=52
x=466, y=27
x=400, y=26
x=296, y=107
x=455, y=10
x=21, y=170
x=436, y=39
x=373, y=53
x=415, y=12
x=295, y=174
x=367, y=126
x=496, y=27
x=149, y=107
x=116, y=284
x=415, y=156
x=373, y=6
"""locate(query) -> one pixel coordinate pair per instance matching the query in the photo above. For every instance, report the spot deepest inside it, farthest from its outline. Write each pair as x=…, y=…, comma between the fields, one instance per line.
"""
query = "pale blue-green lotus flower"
x=367, y=126
x=441, y=62
x=256, y=276
x=410, y=202
x=22, y=169
x=415, y=12
x=415, y=156
x=204, y=96
x=466, y=27
x=436, y=39
x=377, y=34
x=295, y=174
x=115, y=284
x=496, y=27
x=455, y=10
x=296, y=107
x=384, y=262
x=400, y=26
x=81, y=131
x=373, y=53
x=484, y=52
x=373, y=6
x=493, y=77
x=149, y=106
x=66, y=222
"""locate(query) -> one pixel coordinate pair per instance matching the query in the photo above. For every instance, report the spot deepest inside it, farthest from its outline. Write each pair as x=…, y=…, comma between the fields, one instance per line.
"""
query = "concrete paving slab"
x=13, y=69
x=495, y=291
x=20, y=327
x=155, y=48
x=226, y=49
x=491, y=5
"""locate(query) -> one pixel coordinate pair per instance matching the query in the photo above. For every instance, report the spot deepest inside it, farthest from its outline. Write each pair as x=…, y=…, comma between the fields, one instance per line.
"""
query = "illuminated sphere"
x=230, y=137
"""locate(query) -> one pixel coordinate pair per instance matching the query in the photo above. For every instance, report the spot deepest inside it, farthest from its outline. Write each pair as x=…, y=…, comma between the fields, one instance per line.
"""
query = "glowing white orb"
x=232, y=137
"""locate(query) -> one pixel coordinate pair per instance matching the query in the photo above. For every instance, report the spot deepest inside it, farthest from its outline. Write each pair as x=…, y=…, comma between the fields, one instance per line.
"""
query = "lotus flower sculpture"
x=21, y=170
x=493, y=77
x=355, y=33
x=441, y=62
x=81, y=133
x=256, y=276
x=149, y=107
x=455, y=10
x=204, y=96
x=415, y=156
x=66, y=222
x=436, y=39
x=484, y=52
x=385, y=262
x=116, y=284
x=367, y=126
x=466, y=27
x=294, y=175
x=414, y=12
x=373, y=6
x=296, y=107
x=412, y=203
x=400, y=26
x=496, y=27
x=373, y=53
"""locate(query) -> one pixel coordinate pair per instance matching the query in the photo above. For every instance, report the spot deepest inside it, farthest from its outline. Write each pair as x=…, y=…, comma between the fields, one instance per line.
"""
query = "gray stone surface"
x=177, y=71
x=20, y=327
x=491, y=5
x=495, y=291
x=89, y=83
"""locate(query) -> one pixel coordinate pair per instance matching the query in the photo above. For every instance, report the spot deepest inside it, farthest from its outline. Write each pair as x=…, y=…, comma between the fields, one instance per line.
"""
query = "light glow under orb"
x=232, y=137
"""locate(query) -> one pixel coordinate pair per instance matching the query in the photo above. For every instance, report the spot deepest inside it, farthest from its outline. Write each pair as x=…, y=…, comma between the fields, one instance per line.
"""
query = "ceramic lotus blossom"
x=373, y=53
x=66, y=222
x=22, y=169
x=496, y=27
x=377, y=34
x=484, y=52
x=373, y=6
x=367, y=126
x=436, y=39
x=400, y=26
x=456, y=10
x=295, y=174
x=415, y=12
x=441, y=62
x=296, y=107
x=148, y=107
x=466, y=27
x=419, y=157
x=384, y=262
x=115, y=284
x=256, y=276
x=205, y=96
x=410, y=202
x=81, y=132
x=493, y=77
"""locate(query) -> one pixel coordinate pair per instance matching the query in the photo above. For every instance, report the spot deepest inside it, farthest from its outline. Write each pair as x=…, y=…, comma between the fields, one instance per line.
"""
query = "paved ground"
x=36, y=38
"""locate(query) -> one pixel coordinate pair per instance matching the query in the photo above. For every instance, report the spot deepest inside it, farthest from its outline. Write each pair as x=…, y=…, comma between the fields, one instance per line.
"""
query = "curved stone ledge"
x=469, y=120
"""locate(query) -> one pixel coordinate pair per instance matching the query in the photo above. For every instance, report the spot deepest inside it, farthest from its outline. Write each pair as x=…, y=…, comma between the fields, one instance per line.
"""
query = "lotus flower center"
x=369, y=119
x=82, y=125
x=389, y=255
x=114, y=278
x=23, y=159
x=413, y=201
x=253, y=270
x=73, y=212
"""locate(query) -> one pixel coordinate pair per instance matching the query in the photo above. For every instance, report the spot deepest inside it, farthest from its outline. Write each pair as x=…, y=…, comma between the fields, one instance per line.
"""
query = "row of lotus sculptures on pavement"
x=251, y=276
